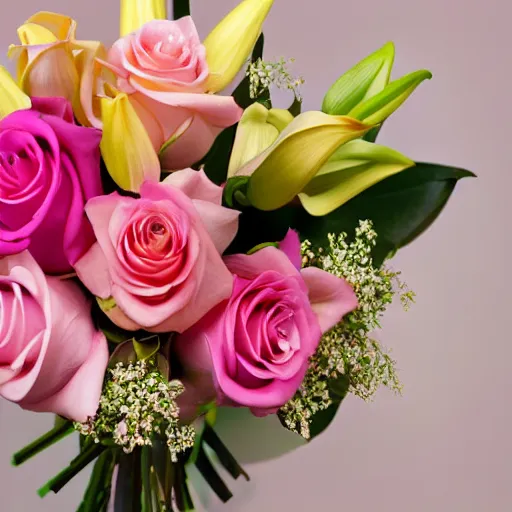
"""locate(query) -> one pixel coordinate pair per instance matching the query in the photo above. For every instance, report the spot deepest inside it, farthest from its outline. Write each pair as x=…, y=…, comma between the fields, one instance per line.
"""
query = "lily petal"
x=231, y=41
x=376, y=109
x=284, y=169
x=353, y=168
x=12, y=98
x=257, y=130
x=126, y=147
x=134, y=13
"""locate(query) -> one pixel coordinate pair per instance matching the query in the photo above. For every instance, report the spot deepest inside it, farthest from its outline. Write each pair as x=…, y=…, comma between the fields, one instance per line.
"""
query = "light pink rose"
x=159, y=257
x=163, y=67
x=52, y=359
x=255, y=347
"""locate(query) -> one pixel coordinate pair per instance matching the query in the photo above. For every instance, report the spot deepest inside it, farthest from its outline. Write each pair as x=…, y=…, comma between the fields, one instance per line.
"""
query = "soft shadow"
x=253, y=439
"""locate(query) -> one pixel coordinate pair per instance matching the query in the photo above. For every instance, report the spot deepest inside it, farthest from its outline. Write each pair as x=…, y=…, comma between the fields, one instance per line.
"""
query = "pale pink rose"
x=163, y=67
x=159, y=257
x=255, y=347
x=52, y=359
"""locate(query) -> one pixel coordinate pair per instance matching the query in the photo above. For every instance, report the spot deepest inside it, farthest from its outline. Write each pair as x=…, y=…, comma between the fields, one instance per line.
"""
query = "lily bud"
x=125, y=146
x=363, y=81
x=282, y=171
x=257, y=130
x=353, y=168
x=229, y=44
x=377, y=108
x=11, y=96
x=135, y=13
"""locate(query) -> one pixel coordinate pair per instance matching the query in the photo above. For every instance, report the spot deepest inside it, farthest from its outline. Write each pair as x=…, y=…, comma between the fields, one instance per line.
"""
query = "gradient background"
x=444, y=446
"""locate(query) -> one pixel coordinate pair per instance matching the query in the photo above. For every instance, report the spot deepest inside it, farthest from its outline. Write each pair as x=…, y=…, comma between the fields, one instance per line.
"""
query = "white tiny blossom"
x=262, y=74
x=137, y=403
x=348, y=348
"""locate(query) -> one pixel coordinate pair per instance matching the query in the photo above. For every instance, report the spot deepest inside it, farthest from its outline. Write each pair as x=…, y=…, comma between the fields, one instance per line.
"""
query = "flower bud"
x=278, y=174
x=257, y=130
x=135, y=13
x=229, y=44
x=363, y=81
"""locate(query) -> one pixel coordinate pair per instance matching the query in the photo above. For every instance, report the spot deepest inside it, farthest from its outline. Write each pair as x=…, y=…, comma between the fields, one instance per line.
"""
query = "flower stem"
x=76, y=465
x=45, y=441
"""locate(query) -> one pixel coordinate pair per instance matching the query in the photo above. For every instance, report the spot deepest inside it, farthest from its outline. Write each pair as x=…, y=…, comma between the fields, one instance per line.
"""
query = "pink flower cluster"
x=243, y=326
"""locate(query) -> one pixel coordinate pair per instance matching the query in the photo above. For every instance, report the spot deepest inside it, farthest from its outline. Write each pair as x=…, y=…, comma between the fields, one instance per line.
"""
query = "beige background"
x=445, y=446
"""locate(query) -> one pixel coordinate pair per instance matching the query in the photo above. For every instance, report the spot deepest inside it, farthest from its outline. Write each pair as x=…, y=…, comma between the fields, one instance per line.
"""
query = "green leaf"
x=183, y=498
x=217, y=160
x=296, y=107
x=338, y=390
x=181, y=8
x=377, y=108
x=401, y=207
x=146, y=348
x=364, y=80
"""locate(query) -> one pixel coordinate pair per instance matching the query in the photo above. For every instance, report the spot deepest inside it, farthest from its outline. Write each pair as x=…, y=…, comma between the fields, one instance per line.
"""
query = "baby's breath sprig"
x=138, y=403
x=348, y=349
x=262, y=74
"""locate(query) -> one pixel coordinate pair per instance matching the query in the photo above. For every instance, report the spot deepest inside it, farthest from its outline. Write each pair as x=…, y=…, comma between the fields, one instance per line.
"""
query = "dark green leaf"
x=338, y=390
x=296, y=107
x=371, y=136
x=257, y=227
x=401, y=207
x=181, y=8
x=217, y=160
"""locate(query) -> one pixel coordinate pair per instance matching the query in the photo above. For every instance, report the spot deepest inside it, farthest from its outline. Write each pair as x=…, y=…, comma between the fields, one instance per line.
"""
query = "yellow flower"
x=51, y=62
x=232, y=40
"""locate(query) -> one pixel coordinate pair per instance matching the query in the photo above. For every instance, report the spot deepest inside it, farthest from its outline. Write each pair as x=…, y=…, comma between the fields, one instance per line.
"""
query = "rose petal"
x=331, y=297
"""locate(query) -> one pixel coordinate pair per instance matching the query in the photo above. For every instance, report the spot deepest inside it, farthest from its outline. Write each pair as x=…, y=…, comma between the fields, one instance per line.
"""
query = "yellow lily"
x=283, y=170
x=257, y=130
x=126, y=147
x=135, y=13
x=48, y=44
x=12, y=98
x=229, y=44
x=353, y=168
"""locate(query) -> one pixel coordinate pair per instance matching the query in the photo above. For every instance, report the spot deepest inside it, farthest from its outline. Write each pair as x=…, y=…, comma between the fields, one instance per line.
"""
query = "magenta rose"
x=49, y=168
x=163, y=67
x=52, y=359
x=157, y=262
x=255, y=347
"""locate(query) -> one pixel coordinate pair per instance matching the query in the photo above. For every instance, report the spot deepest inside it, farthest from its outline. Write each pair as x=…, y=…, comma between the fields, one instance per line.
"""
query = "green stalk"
x=76, y=465
x=45, y=441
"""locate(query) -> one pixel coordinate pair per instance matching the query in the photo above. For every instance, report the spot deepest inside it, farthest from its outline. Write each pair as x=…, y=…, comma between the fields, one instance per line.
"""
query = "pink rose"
x=159, y=257
x=256, y=345
x=52, y=359
x=49, y=168
x=163, y=68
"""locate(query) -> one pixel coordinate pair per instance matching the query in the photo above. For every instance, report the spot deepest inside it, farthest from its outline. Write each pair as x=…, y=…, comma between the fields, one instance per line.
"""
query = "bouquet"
x=168, y=251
